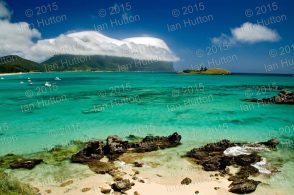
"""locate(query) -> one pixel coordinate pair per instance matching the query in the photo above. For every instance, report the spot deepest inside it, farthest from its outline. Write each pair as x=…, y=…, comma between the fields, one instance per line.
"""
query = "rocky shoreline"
x=102, y=158
x=220, y=155
x=284, y=97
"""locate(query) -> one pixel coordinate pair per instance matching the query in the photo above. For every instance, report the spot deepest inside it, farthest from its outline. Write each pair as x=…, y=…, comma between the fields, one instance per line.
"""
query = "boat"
x=21, y=82
x=57, y=79
x=47, y=84
x=2, y=78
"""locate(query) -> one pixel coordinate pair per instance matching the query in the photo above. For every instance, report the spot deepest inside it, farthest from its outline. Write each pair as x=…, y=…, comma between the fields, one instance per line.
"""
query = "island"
x=217, y=71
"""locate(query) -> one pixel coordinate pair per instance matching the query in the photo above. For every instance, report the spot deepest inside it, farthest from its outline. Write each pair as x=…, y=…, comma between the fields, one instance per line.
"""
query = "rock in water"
x=122, y=186
x=284, y=97
x=25, y=163
x=151, y=143
x=93, y=151
x=115, y=146
x=272, y=143
x=244, y=186
x=186, y=181
x=213, y=157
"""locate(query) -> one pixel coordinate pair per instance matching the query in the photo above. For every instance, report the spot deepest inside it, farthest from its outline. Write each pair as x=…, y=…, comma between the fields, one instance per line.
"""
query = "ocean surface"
x=84, y=106
x=202, y=108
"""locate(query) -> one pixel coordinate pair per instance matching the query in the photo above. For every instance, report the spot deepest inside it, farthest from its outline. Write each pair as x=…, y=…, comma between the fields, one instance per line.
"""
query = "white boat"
x=47, y=84
x=2, y=78
x=21, y=82
x=57, y=79
x=29, y=80
x=30, y=83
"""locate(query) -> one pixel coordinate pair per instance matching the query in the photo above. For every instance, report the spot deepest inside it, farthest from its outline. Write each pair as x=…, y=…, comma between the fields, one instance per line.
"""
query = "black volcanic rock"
x=212, y=158
x=25, y=163
x=284, y=97
x=244, y=186
x=93, y=151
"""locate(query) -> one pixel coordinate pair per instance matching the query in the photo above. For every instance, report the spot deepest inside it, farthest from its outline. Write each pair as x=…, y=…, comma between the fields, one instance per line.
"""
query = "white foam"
x=261, y=166
x=236, y=151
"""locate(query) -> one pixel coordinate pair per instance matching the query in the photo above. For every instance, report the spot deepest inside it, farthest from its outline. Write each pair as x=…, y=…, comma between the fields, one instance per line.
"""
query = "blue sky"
x=191, y=44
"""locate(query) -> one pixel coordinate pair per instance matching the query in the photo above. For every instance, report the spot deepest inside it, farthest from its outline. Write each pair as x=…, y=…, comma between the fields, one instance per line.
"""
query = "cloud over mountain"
x=17, y=38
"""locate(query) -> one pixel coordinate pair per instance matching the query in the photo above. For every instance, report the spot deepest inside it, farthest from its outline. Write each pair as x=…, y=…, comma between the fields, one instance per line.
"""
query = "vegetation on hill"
x=104, y=63
x=13, y=63
x=206, y=71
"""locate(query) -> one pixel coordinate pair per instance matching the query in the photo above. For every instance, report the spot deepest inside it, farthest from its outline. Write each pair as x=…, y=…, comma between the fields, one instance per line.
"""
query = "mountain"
x=14, y=63
x=104, y=63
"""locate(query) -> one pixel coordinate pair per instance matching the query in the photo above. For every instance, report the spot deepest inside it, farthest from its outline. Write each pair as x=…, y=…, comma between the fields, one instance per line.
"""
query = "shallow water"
x=82, y=106
x=202, y=108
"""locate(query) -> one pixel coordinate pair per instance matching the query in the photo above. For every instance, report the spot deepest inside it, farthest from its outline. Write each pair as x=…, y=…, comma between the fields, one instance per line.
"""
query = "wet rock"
x=212, y=158
x=197, y=192
x=152, y=143
x=284, y=97
x=243, y=186
x=105, y=190
x=246, y=160
x=216, y=188
x=101, y=167
x=141, y=181
x=86, y=189
x=136, y=193
x=25, y=163
x=186, y=181
x=115, y=146
x=138, y=164
x=272, y=143
x=66, y=183
x=93, y=151
x=122, y=186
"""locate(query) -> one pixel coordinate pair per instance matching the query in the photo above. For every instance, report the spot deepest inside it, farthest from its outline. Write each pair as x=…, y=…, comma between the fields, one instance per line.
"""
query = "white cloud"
x=16, y=38
x=4, y=12
x=248, y=33
x=94, y=43
x=252, y=33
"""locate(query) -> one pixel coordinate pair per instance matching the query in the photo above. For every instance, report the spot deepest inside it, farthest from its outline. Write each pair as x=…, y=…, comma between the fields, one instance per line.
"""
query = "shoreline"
x=150, y=172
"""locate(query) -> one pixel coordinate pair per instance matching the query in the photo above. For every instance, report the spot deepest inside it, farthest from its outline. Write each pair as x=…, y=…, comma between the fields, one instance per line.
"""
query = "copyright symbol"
x=29, y=13
x=273, y=53
x=29, y=93
x=248, y=13
x=176, y=13
x=199, y=53
x=102, y=13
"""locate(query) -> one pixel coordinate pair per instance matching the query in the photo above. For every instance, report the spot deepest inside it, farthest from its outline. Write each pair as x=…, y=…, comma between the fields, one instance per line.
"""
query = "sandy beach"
x=159, y=175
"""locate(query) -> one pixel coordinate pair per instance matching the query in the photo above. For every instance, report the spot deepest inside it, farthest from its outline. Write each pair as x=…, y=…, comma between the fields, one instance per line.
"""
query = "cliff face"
x=104, y=63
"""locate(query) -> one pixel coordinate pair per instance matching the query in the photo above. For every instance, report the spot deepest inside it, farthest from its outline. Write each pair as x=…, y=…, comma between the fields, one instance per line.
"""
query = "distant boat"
x=29, y=80
x=57, y=79
x=30, y=83
x=21, y=82
x=2, y=78
x=47, y=84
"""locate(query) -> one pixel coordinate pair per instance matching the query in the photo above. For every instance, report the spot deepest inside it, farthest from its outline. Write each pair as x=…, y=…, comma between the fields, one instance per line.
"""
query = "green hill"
x=104, y=63
x=13, y=63
x=208, y=71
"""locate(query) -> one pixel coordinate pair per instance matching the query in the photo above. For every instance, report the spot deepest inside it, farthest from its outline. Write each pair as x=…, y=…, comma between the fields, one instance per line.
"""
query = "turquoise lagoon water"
x=84, y=106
